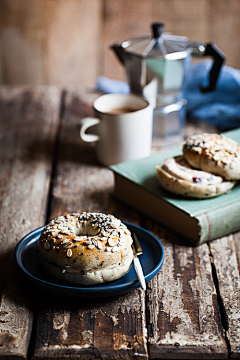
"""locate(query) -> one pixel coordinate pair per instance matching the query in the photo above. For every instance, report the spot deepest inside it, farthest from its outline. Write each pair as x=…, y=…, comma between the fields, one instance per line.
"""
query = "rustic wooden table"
x=191, y=309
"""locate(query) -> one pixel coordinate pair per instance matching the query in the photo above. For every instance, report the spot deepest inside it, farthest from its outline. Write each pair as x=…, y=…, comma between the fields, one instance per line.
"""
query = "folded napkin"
x=220, y=107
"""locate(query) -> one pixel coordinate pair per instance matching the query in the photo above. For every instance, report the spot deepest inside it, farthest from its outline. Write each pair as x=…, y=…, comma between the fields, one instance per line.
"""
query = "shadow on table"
x=66, y=151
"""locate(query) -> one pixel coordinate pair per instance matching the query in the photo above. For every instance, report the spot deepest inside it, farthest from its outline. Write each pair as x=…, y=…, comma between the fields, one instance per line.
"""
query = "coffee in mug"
x=123, y=128
x=123, y=110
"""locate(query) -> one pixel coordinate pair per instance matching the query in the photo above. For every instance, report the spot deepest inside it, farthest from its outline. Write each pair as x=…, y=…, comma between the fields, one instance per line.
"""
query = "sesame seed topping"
x=87, y=229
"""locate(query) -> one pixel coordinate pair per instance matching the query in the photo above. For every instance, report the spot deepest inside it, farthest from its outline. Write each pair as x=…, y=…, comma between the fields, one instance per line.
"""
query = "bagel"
x=86, y=248
x=177, y=176
x=213, y=153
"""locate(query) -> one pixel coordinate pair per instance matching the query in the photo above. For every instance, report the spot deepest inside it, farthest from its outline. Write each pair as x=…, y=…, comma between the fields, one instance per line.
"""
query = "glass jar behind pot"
x=169, y=121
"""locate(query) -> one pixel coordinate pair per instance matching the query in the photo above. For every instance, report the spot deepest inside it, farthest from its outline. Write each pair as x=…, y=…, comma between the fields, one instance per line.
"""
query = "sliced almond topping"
x=88, y=242
x=112, y=242
x=69, y=252
x=65, y=241
x=99, y=245
x=104, y=233
x=115, y=249
x=91, y=247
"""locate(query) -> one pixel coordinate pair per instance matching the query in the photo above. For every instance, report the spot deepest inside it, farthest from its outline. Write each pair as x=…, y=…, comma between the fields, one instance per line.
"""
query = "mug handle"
x=84, y=125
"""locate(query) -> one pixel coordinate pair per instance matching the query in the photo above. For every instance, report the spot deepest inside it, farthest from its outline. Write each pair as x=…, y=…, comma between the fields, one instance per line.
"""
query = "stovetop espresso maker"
x=156, y=67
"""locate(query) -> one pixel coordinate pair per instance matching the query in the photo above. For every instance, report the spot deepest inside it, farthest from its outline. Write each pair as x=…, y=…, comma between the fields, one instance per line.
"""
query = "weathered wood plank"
x=28, y=125
x=49, y=42
x=226, y=254
x=109, y=328
x=86, y=329
x=67, y=42
x=183, y=313
x=187, y=323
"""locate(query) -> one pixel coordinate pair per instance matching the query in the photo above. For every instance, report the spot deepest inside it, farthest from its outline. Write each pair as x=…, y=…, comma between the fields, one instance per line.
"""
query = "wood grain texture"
x=49, y=42
x=28, y=125
x=67, y=42
x=190, y=309
x=225, y=253
x=183, y=313
x=109, y=328
x=184, y=316
x=89, y=329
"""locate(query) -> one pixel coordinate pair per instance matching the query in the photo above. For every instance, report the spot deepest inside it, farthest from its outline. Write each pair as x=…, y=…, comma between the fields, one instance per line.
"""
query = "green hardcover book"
x=197, y=220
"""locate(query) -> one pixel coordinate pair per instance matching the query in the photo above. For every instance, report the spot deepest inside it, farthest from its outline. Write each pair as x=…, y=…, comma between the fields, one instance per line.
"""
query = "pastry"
x=176, y=176
x=214, y=153
x=86, y=248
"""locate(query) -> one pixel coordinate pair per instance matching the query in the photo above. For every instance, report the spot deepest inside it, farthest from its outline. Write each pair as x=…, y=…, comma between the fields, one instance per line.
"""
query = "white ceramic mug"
x=123, y=128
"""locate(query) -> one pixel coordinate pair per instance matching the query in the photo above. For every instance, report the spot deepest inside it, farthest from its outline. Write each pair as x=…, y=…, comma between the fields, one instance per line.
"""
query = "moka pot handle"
x=218, y=60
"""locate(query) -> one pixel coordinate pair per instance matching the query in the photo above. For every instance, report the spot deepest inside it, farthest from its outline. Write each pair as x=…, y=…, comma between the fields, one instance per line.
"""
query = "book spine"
x=220, y=222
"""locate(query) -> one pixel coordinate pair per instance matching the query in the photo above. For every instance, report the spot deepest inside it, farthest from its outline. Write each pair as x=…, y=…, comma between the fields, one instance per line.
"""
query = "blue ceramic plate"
x=26, y=258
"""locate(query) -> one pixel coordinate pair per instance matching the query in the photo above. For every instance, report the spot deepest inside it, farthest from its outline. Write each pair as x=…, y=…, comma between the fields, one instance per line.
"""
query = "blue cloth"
x=110, y=86
x=220, y=107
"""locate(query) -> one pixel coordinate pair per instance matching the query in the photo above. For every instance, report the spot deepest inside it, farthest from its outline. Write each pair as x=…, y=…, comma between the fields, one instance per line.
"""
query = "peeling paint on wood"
x=183, y=313
x=190, y=309
x=111, y=328
x=107, y=327
x=225, y=252
x=28, y=121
